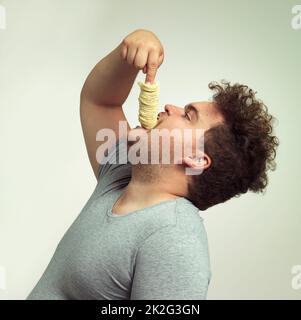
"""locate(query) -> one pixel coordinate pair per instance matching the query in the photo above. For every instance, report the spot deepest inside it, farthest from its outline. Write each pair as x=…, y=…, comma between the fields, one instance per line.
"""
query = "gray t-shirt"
x=159, y=252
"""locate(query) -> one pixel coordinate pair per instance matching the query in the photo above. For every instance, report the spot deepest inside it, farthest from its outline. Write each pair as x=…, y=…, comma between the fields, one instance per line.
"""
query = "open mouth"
x=160, y=118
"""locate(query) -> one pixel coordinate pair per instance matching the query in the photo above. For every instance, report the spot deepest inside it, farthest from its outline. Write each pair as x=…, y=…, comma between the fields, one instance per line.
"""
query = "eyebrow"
x=191, y=107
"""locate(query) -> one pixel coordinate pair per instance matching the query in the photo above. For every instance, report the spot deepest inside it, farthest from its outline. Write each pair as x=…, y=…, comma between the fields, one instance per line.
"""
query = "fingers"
x=144, y=57
x=161, y=59
x=141, y=59
x=124, y=50
x=152, y=66
x=131, y=55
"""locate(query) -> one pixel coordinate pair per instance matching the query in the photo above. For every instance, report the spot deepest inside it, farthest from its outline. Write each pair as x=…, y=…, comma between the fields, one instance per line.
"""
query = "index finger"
x=152, y=66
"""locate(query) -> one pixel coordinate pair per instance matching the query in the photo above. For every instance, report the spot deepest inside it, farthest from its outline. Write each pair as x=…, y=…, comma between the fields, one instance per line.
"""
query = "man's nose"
x=171, y=109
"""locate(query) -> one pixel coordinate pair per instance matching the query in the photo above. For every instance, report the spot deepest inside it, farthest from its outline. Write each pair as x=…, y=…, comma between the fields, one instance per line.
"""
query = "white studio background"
x=47, y=48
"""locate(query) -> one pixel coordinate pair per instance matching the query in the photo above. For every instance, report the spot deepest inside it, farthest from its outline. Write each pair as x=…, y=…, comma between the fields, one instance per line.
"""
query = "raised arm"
x=109, y=83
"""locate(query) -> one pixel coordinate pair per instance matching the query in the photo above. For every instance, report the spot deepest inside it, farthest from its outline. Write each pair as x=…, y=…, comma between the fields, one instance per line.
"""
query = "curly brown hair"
x=242, y=149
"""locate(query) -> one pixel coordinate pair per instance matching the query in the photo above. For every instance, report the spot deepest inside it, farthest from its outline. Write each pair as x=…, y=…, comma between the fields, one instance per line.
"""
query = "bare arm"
x=109, y=83
x=103, y=94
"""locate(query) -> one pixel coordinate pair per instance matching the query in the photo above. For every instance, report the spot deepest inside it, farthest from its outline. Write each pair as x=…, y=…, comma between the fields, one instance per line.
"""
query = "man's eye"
x=186, y=116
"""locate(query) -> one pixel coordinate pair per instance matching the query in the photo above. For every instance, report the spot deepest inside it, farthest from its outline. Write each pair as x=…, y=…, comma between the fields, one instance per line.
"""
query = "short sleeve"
x=116, y=172
x=172, y=265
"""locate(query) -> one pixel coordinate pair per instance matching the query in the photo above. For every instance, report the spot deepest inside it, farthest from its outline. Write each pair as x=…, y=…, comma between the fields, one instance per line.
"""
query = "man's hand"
x=143, y=50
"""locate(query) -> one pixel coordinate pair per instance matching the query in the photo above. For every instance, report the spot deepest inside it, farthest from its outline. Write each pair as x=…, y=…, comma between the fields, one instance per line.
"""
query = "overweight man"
x=140, y=235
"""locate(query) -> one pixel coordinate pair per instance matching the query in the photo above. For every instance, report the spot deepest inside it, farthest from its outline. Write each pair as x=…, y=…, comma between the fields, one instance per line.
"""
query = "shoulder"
x=183, y=230
x=188, y=219
x=178, y=247
x=172, y=219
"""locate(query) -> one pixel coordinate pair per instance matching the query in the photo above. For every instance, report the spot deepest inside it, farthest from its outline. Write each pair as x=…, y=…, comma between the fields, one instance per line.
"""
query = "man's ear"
x=199, y=162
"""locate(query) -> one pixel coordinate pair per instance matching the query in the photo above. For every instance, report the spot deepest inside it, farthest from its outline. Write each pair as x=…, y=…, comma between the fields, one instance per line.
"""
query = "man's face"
x=195, y=115
x=202, y=115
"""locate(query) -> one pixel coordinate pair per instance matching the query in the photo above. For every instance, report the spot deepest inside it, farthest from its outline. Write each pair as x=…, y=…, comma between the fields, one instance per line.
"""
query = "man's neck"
x=148, y=188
